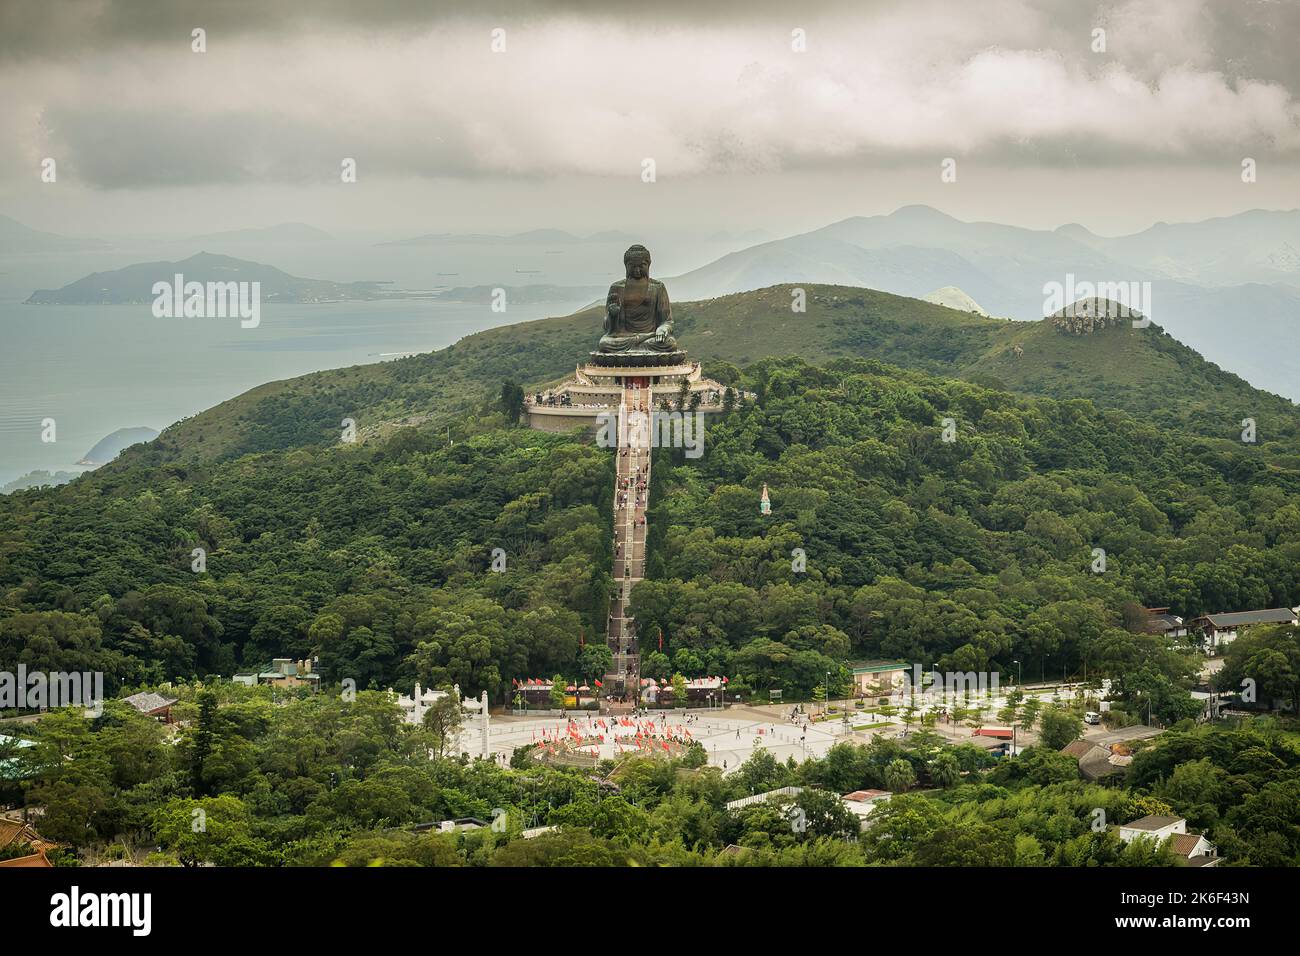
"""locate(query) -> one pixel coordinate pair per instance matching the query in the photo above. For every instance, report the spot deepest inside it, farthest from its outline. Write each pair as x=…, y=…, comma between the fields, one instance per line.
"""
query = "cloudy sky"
x=745, y=131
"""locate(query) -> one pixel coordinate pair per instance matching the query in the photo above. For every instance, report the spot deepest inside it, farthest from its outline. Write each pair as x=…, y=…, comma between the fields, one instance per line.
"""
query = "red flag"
x=599, y=684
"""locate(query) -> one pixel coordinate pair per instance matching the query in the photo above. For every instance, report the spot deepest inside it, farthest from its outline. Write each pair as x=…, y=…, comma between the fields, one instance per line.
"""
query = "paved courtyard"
x=729, y=737
x=728, y=740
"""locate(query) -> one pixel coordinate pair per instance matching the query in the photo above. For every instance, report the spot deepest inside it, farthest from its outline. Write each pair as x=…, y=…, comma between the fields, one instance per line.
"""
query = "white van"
x=1092, y=717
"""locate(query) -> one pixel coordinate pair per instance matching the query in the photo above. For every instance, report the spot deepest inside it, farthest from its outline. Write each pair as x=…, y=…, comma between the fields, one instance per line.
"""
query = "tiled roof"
x=35, y=859
x=1275, y=615
x=1185, y=843
x=1152, y=822
x=1166, y=622
x=864, y=795
x=147, y=703
x=15, y=831
x=1077, y=748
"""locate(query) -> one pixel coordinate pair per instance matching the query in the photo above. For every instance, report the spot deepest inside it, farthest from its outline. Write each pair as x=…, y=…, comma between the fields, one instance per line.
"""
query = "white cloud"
x=1000, y=81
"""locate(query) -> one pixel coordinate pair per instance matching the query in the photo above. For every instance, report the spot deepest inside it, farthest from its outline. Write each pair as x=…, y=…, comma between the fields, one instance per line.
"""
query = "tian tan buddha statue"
x=638, y=317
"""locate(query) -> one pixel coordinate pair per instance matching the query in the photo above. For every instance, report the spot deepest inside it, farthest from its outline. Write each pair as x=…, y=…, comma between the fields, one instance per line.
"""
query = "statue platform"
x=608, y=380
x=646, y=359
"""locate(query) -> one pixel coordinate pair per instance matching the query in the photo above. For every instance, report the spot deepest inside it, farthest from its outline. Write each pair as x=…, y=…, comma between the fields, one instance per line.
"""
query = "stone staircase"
x=623, y=682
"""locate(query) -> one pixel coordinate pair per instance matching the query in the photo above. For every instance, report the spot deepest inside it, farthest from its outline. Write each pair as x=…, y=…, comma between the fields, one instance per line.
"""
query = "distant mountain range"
x=134, y=284
x=530, y=238
x=18, y=239
x=281, y=232
x=524, y=294
x=1005, y=267
x=1228, y=287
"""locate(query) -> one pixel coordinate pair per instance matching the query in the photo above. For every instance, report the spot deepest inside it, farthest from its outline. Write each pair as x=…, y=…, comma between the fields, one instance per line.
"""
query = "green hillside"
x=975, y=555
x=1143, y=371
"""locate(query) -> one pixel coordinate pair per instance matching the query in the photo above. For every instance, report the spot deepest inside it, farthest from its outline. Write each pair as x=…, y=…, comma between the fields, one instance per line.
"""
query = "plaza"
x=727, y=740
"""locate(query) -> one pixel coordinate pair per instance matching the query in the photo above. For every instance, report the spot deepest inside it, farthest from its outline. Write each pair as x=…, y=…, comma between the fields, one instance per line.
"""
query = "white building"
x=1192, y=849
x=1217, y=631
x=1153, y=827
x=861, y=803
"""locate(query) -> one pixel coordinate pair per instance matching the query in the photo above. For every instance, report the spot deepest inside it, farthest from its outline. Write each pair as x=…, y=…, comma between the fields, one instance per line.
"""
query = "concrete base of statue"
x=639, y=359
x=610, y=380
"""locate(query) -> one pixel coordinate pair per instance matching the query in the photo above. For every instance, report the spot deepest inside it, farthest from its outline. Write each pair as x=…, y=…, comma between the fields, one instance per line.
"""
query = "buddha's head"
x=637, y=262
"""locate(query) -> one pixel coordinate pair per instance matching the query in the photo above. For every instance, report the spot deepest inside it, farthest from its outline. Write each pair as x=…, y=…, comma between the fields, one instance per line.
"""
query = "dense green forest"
x=927, y=514
x=316, y=780
x=966, y=554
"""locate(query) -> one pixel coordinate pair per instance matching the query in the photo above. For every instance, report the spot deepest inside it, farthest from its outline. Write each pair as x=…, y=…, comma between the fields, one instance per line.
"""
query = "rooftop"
x=863, y=796
x=147, y=703
x=875, y=667
x=1152, y=822
x=1275, y=615
x=1185, y=843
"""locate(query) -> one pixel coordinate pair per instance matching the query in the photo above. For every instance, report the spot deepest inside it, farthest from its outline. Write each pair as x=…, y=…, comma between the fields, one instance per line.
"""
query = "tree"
x=557, y=692
x=595, y=660
x=203, y=740
x=566, y=848
x=214, y=830
x=679, y=690
x=899, y=827
x=1029, y=715
x=968, y=845
x=1270, y=656
x=1059, y=726
x=899, y=776
x=823, y=814
x=511, y=401
x=944, y=770
x=845, y=768
x=444, y=720
x=1197, y=789
x=761, y=772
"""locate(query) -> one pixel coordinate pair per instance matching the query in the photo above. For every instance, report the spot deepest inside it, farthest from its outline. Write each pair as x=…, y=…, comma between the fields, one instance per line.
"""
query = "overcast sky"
x=745, y=132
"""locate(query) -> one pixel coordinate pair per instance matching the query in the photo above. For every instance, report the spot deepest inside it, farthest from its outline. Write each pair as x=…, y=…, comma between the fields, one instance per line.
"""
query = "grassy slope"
x=1142, y=370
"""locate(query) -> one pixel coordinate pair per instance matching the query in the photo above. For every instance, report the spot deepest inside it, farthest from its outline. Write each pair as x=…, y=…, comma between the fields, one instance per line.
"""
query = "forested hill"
x=1144, y=371
x=969, y=554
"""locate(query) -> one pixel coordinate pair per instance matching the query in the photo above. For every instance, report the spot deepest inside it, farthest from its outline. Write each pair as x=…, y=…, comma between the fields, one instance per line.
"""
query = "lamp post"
x=1015, y=715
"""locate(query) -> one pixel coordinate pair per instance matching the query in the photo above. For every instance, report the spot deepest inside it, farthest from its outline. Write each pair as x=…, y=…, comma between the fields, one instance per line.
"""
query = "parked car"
x=1092, y=717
